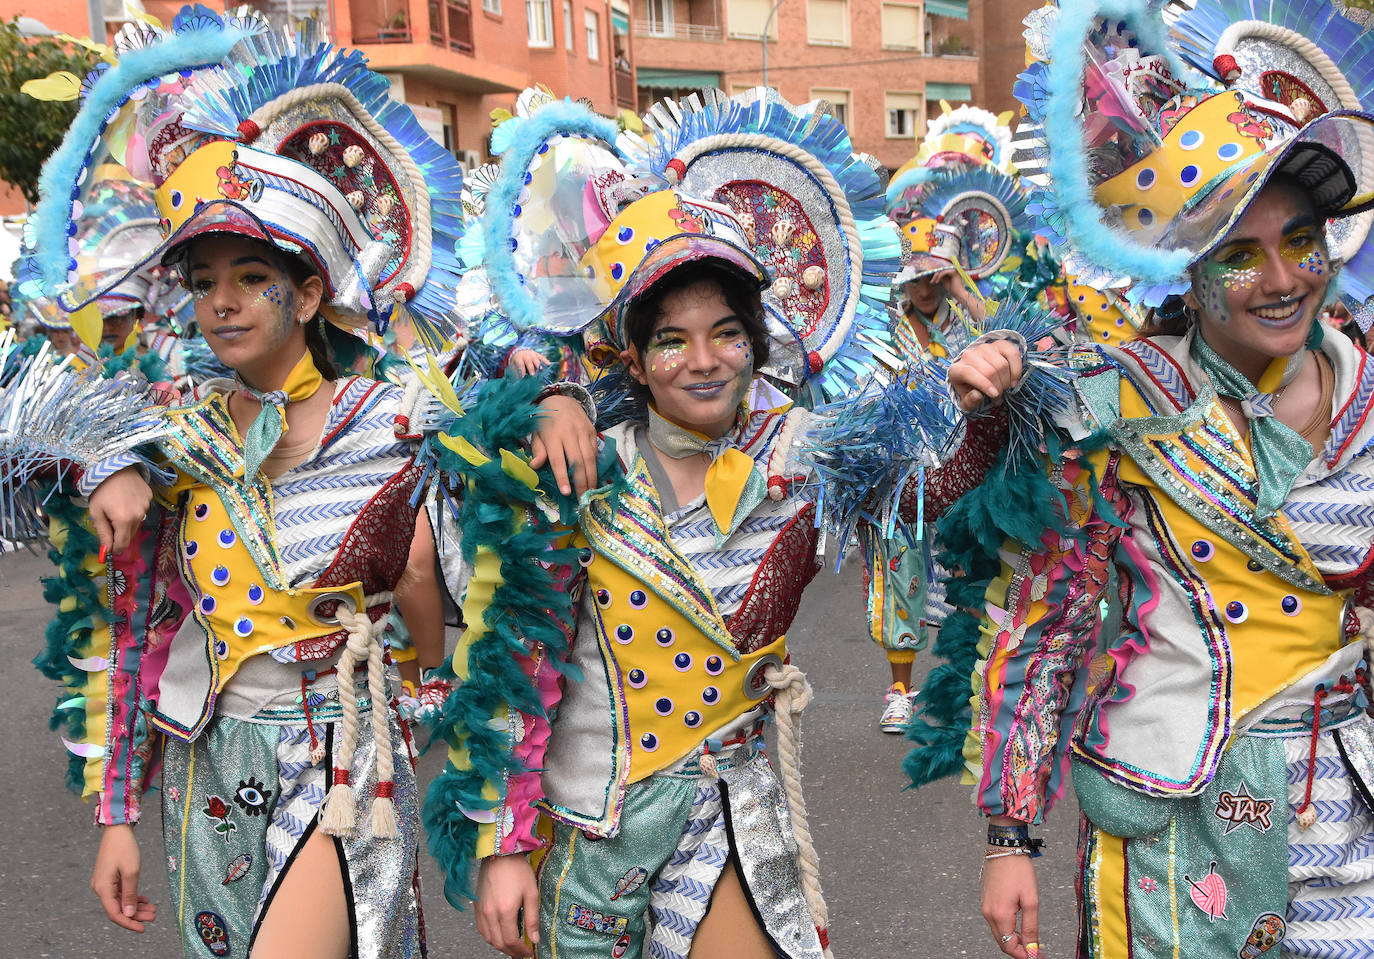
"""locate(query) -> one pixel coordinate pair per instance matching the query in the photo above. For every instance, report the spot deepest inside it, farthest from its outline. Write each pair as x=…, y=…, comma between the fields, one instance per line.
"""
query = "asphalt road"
x=899, y=868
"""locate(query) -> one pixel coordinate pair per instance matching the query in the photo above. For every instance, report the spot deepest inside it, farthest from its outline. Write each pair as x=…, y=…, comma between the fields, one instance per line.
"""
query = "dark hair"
x=739, y=290
x=1170, y=318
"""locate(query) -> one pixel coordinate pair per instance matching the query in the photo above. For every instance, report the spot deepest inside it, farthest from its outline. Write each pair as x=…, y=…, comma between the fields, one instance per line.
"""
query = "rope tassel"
x=793, y=695
x=340, y=810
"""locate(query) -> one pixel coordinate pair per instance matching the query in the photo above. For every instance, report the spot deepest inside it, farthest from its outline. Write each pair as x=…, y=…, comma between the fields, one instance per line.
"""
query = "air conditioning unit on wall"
x=469, y=159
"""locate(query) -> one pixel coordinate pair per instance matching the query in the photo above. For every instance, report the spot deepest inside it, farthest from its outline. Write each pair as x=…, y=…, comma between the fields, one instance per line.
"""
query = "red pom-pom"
x=405, y=292
x=386, y=790
x=402, y=425
x=341, y=777
x=814, y=361
x=249, y=131
x=1227, y=68
x=678, y=168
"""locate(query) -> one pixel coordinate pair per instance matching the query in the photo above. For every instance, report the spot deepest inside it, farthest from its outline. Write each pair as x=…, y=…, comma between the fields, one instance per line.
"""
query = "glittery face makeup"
x=1258, y=291
x=699, y=362
x=245, y=305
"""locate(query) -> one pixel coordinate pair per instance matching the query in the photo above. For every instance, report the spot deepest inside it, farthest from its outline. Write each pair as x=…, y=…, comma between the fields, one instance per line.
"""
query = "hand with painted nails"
x=985, y=371
x=114, y=880
x=118, y=506
x=566, y=440
x=506, y=889
x=1010, y=893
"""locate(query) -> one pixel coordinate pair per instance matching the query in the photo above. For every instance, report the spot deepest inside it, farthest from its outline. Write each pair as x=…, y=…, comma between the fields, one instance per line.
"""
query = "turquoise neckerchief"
x=1279, y=452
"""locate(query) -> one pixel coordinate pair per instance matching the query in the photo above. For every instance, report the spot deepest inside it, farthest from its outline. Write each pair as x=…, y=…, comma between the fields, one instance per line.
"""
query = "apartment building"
x=452, y=61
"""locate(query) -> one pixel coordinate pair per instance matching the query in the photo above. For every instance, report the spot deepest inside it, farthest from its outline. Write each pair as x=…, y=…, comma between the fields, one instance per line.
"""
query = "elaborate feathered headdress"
x=276, y=135
x=573, y=224
x=1143, y=165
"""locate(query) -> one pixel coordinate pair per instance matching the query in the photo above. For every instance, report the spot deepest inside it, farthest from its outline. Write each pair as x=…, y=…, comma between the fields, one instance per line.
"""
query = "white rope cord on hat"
x=793, y=694
x=363, y=646
x=1309, y=51
x=821, y=172
x=420, y=252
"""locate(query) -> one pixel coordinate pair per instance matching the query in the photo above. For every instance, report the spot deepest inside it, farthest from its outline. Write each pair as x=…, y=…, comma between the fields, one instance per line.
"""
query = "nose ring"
x=221, y=313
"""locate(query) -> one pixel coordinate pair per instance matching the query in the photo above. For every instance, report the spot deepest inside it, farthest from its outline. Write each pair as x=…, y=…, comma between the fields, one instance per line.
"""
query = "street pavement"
x=900, y=868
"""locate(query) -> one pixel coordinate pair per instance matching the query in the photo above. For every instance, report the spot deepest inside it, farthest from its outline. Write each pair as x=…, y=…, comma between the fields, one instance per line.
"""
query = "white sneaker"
x=896, y=709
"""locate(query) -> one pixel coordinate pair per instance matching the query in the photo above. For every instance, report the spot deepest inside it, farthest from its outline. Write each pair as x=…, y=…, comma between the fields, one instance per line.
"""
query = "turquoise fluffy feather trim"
x=527, y=608
x=201, y=39
x=560, y=118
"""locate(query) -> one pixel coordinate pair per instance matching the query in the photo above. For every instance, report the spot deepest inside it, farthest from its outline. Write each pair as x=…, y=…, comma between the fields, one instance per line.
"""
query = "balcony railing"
x=678, y=31
x=450, y=25
x=625, y=93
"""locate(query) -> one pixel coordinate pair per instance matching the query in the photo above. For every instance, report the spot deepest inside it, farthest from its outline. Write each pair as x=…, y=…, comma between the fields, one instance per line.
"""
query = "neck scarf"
x=1279, y=452
x=734, y=483
x=270, y=425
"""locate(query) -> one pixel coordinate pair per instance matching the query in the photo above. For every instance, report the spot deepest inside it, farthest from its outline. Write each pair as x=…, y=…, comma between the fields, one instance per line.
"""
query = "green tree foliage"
x=32, y=129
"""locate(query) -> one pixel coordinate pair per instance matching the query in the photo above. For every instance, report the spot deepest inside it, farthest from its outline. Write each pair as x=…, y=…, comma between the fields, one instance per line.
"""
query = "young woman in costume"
x=622, y=750
x=1186, y=638
x=246, y=654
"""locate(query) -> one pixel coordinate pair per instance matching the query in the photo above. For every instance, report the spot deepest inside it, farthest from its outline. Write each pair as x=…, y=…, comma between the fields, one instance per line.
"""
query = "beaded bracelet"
x=1024, y=851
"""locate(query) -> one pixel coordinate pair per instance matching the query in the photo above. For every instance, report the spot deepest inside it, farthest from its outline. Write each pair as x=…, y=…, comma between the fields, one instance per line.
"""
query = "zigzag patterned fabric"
x=1330, y=865
x=301, y=786
x=682, y=893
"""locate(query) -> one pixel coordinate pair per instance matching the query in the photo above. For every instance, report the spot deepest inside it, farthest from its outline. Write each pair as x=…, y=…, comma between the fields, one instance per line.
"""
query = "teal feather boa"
x=528, y=607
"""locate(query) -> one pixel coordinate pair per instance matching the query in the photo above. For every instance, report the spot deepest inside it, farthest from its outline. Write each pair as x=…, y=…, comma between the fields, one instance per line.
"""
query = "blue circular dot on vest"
x=585, y=557
x=1236, y=611
x=648, y=742
x=663, y=705
x=617, y=270
x=665, y=636
x=1225, y=196
x=714, y=665
x=207, y=605
x=1189, y=174
x=691, y=719
x=1145, y=215
x=175, y=197
x=682, y=662
x=219, y=576
x=1082, y=297
x=225, y=538
x=243, y=626
x=624, y=633
x=255, y=594
x=637, y=678
x=625, y=234
x=590, y=271
x=201, y=511
x=1145, y=179
x=1202, y=550
x=221, y=648
x=191, y=548
x=650, y=244
x=1191, y=139
x=1252, y=177
x=603, y=597
x=638, y=599
x=710, y=695
x=1229, y=151
x=1253, y=566
x=1290, y=605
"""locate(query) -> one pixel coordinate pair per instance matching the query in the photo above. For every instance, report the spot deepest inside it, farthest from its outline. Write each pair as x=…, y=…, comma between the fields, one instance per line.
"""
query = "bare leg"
x=729, y=927
x=307, y=918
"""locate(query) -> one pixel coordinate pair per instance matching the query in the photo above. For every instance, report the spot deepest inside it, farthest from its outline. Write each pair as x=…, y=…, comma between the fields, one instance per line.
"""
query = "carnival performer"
x=245, y=652
x=1185, y=637
x=619, y=745
x=962, y=210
